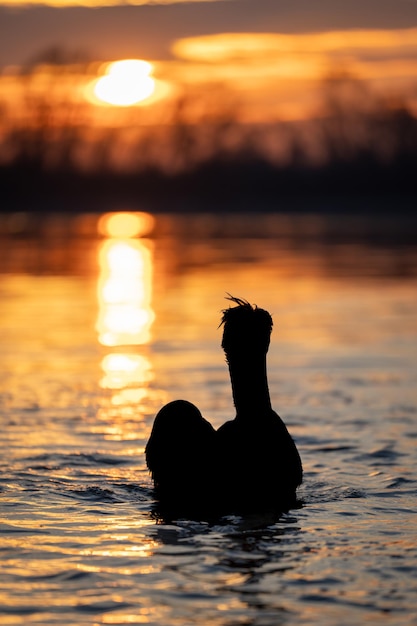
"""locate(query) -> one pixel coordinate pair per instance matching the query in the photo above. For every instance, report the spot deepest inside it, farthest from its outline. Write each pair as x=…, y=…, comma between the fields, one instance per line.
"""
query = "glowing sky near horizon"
x=268, y=56
x=272, y=75
x=280, y=72
x=91, y=3
x=147, y=29
x=245, y=46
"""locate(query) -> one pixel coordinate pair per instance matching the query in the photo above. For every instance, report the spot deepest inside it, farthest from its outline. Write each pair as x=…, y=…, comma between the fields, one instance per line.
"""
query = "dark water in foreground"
x=97, y=333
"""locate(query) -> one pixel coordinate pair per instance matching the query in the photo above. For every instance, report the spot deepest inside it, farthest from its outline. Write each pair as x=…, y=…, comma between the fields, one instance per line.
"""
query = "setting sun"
x=125, y=83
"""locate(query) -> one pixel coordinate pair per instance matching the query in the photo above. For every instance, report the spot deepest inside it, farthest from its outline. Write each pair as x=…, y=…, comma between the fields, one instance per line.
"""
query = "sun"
x=125, y=83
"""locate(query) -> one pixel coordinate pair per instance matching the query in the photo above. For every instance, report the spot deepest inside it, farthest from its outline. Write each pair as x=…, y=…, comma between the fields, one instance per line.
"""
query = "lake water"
x=97, y=331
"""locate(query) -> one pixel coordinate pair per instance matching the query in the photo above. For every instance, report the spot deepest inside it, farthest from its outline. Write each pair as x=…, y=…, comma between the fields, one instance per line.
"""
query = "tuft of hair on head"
x=241, y=303
x=245, y=326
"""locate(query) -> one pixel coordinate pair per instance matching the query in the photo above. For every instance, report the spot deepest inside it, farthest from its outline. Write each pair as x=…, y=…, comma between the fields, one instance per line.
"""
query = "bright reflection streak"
x=125, y=317
x=124, y=370
x=125, y=224
x=124, y=289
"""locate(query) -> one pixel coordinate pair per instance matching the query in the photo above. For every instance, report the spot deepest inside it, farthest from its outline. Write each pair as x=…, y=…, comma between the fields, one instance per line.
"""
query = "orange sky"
x=277, y=75
x=251, y=61
x=116, y=29
x=264, y=76
x=88, y=3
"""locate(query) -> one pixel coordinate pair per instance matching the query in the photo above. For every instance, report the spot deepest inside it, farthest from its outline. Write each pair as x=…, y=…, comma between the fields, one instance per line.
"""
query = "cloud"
x=91, y=3
x=282, y=73
x=369, y=54
x=224, y=47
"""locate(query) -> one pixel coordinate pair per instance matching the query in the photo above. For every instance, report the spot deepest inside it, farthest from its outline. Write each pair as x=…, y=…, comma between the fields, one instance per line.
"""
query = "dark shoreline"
x=359, y=187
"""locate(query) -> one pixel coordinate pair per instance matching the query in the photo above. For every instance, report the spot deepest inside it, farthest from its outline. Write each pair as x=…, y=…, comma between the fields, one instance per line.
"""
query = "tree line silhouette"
x=200, y=157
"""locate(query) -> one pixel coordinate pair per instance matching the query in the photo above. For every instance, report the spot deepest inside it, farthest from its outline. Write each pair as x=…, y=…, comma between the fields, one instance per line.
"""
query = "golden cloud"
x=224, y=47
x=91, y=3
x=273, y=71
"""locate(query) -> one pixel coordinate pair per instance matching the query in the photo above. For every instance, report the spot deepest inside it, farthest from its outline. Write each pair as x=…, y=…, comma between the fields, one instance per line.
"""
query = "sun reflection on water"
x=125, y=283
x=125, y=317
x=121, y=370
x=125, y=224
x=78, y=537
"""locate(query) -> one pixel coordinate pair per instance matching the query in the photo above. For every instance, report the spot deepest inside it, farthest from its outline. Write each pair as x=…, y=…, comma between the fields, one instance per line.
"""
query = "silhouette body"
x=260, y=464
x=180, y=454
x=251, y=464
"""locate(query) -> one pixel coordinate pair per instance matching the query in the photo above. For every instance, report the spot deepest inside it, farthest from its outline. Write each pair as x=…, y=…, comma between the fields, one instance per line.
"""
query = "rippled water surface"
x=97, y=331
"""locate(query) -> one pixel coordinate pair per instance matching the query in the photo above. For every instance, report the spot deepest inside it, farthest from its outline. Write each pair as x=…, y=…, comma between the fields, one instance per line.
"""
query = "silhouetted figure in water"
x=251, y=463
x=260, y=465
x=180, y=454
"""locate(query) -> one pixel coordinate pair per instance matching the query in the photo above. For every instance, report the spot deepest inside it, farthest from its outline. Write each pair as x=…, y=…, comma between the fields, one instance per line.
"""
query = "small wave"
x=139, y=492
x=313, y=493
x=331, y=398
x=6, y=529
x=59, y=461
x=96, y=494
x=335, y=448
x=112, y=494
x=61, y=575
x=94, y=458
x=386, y=452
x=320, y=444
x=102, y=606
x=400, y=481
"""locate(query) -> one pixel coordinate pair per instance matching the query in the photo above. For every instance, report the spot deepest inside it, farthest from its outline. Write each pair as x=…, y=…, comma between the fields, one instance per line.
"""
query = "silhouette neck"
x=249, y=384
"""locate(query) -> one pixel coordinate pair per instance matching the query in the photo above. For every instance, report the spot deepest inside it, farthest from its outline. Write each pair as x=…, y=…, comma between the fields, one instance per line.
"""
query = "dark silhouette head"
x=246, y=328
x=169, y=449
x=179, y=455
